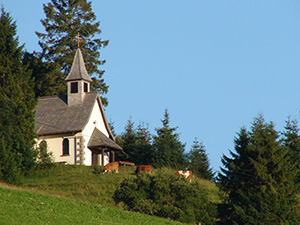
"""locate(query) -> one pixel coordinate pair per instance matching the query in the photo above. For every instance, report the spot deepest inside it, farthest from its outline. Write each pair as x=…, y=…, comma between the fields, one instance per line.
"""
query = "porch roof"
x=98, y=139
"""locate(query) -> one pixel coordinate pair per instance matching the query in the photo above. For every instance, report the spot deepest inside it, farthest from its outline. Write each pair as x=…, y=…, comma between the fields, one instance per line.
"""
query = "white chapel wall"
x=95, y=120
x=55, y=146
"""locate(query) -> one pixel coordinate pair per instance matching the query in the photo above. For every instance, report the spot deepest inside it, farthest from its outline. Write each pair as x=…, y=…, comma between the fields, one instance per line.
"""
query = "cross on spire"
x=78, y=39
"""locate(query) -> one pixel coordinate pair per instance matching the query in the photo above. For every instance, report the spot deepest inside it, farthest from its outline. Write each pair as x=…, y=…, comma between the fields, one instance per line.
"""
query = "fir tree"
x=128, y=142
x=291, y=141
x=144, y=149
x=17, y=103
x=64, y=19
x=167, y=146
x=258, y=179
x=48, y=80
x=198, y=161
x=136, y=143
x=45, y=158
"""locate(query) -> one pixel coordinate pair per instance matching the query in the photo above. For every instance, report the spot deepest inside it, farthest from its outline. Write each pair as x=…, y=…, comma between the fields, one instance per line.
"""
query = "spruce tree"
x=65, y=20
x=136, y=143
x=48, y=79
x=258, y=179
x=128, y=142
x=17, y=103
x=169, y=151
x=291, y=141
x=144, y=149
x=197, y=161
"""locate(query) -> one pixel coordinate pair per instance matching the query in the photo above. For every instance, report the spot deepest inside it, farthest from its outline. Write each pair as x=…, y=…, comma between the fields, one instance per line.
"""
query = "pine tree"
x=64, y=19
x=136, y=143
x=198, y=161
x=48, y=80
x=17, y=103
x=258, y=179
x=45, y=158
x=291, y=141
x=169, y=151
x=128, y=142
x=144, y=149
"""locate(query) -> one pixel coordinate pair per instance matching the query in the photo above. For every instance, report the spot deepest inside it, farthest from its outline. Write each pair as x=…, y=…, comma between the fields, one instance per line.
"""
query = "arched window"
x=65, y=150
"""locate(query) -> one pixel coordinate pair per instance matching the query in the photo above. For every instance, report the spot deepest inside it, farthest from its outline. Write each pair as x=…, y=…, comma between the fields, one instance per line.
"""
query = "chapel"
x=75, y=126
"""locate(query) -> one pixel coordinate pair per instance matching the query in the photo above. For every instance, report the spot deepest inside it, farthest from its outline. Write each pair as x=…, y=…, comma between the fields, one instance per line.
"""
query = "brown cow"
x=184, y=173
x=144, y=168
x=109, y=167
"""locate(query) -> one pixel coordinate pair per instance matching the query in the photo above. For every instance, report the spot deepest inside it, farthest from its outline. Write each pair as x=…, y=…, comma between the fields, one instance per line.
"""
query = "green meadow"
x=24, y=207
x=89, y=184
x=68, y=194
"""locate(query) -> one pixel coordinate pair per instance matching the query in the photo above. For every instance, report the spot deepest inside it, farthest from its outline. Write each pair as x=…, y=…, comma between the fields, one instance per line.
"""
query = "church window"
x=65, y=150
x=74, y=87
x=85, y=88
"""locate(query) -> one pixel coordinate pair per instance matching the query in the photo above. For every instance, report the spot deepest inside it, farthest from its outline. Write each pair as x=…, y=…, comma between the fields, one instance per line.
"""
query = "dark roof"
x=53, y=115
x=78, y=70
x=98, y=139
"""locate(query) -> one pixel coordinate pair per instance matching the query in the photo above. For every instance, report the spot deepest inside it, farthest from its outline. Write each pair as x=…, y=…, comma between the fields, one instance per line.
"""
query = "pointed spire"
x=78, y=70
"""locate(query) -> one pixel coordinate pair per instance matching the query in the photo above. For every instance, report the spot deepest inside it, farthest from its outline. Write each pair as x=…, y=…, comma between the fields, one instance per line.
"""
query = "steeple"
x=78, y=80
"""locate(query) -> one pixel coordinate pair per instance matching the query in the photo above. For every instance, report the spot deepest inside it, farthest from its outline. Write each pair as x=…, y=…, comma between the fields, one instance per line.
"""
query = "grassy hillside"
x=23, y=207
x=78, y=182
x=81, y=183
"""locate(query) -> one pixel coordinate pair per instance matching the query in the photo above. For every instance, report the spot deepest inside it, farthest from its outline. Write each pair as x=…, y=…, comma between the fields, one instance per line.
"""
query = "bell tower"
x=78, y=81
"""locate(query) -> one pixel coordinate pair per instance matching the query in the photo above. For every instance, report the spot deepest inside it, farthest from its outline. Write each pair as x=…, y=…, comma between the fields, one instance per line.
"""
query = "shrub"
x=45, y=158
x=165, y=195
x=97, y=169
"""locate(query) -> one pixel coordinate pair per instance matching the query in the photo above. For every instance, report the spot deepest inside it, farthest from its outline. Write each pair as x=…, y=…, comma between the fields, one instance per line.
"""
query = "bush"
x=45, y=158
x=165, y=195
x=97, y=169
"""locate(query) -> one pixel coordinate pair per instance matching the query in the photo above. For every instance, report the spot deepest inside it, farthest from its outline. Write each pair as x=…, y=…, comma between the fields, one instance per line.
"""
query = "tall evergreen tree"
x=17, y=102
x=64, y=19
x=291, y=141
x=48, y=79
x=128, y=142
x=258, y=179
x=136, y=143
x=169, y=151
x=144, y=149
x=197, y=161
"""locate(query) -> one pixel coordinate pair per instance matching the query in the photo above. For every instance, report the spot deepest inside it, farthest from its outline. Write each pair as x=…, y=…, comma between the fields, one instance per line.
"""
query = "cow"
x=144, y=168
x=184, y=173
x=114, y=166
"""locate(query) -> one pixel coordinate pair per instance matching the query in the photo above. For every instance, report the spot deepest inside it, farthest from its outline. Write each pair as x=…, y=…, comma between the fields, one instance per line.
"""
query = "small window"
x=85, y=88
x=74, y=87
x=65, y=150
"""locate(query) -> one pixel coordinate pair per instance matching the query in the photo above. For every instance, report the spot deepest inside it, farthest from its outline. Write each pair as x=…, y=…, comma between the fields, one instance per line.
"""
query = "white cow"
x=184, y=173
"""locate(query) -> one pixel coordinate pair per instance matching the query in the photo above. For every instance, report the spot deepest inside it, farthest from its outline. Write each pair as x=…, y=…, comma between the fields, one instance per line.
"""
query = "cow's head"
x=105, y=170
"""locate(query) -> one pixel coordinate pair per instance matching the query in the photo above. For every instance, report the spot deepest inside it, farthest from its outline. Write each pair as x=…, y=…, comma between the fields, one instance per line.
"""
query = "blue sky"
x=215, y=65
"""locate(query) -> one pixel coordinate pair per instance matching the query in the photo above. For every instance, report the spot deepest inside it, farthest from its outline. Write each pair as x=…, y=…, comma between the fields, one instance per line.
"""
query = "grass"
x=81, y=183
x=78, y=182
x=79, y=195
x=23, y=207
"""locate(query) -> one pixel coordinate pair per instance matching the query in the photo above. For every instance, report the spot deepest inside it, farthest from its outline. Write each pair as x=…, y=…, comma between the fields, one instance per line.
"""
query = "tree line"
x=164, y=149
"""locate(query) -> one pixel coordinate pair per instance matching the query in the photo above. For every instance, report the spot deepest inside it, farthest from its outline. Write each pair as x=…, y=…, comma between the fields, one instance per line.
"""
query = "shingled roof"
x=98, y=139
x=78, y=70
x=53, y=115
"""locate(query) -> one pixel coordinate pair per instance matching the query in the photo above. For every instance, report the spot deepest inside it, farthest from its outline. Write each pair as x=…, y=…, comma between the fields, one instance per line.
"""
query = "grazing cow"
x=144, y=168
x=114, y=166
x=184, y=173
